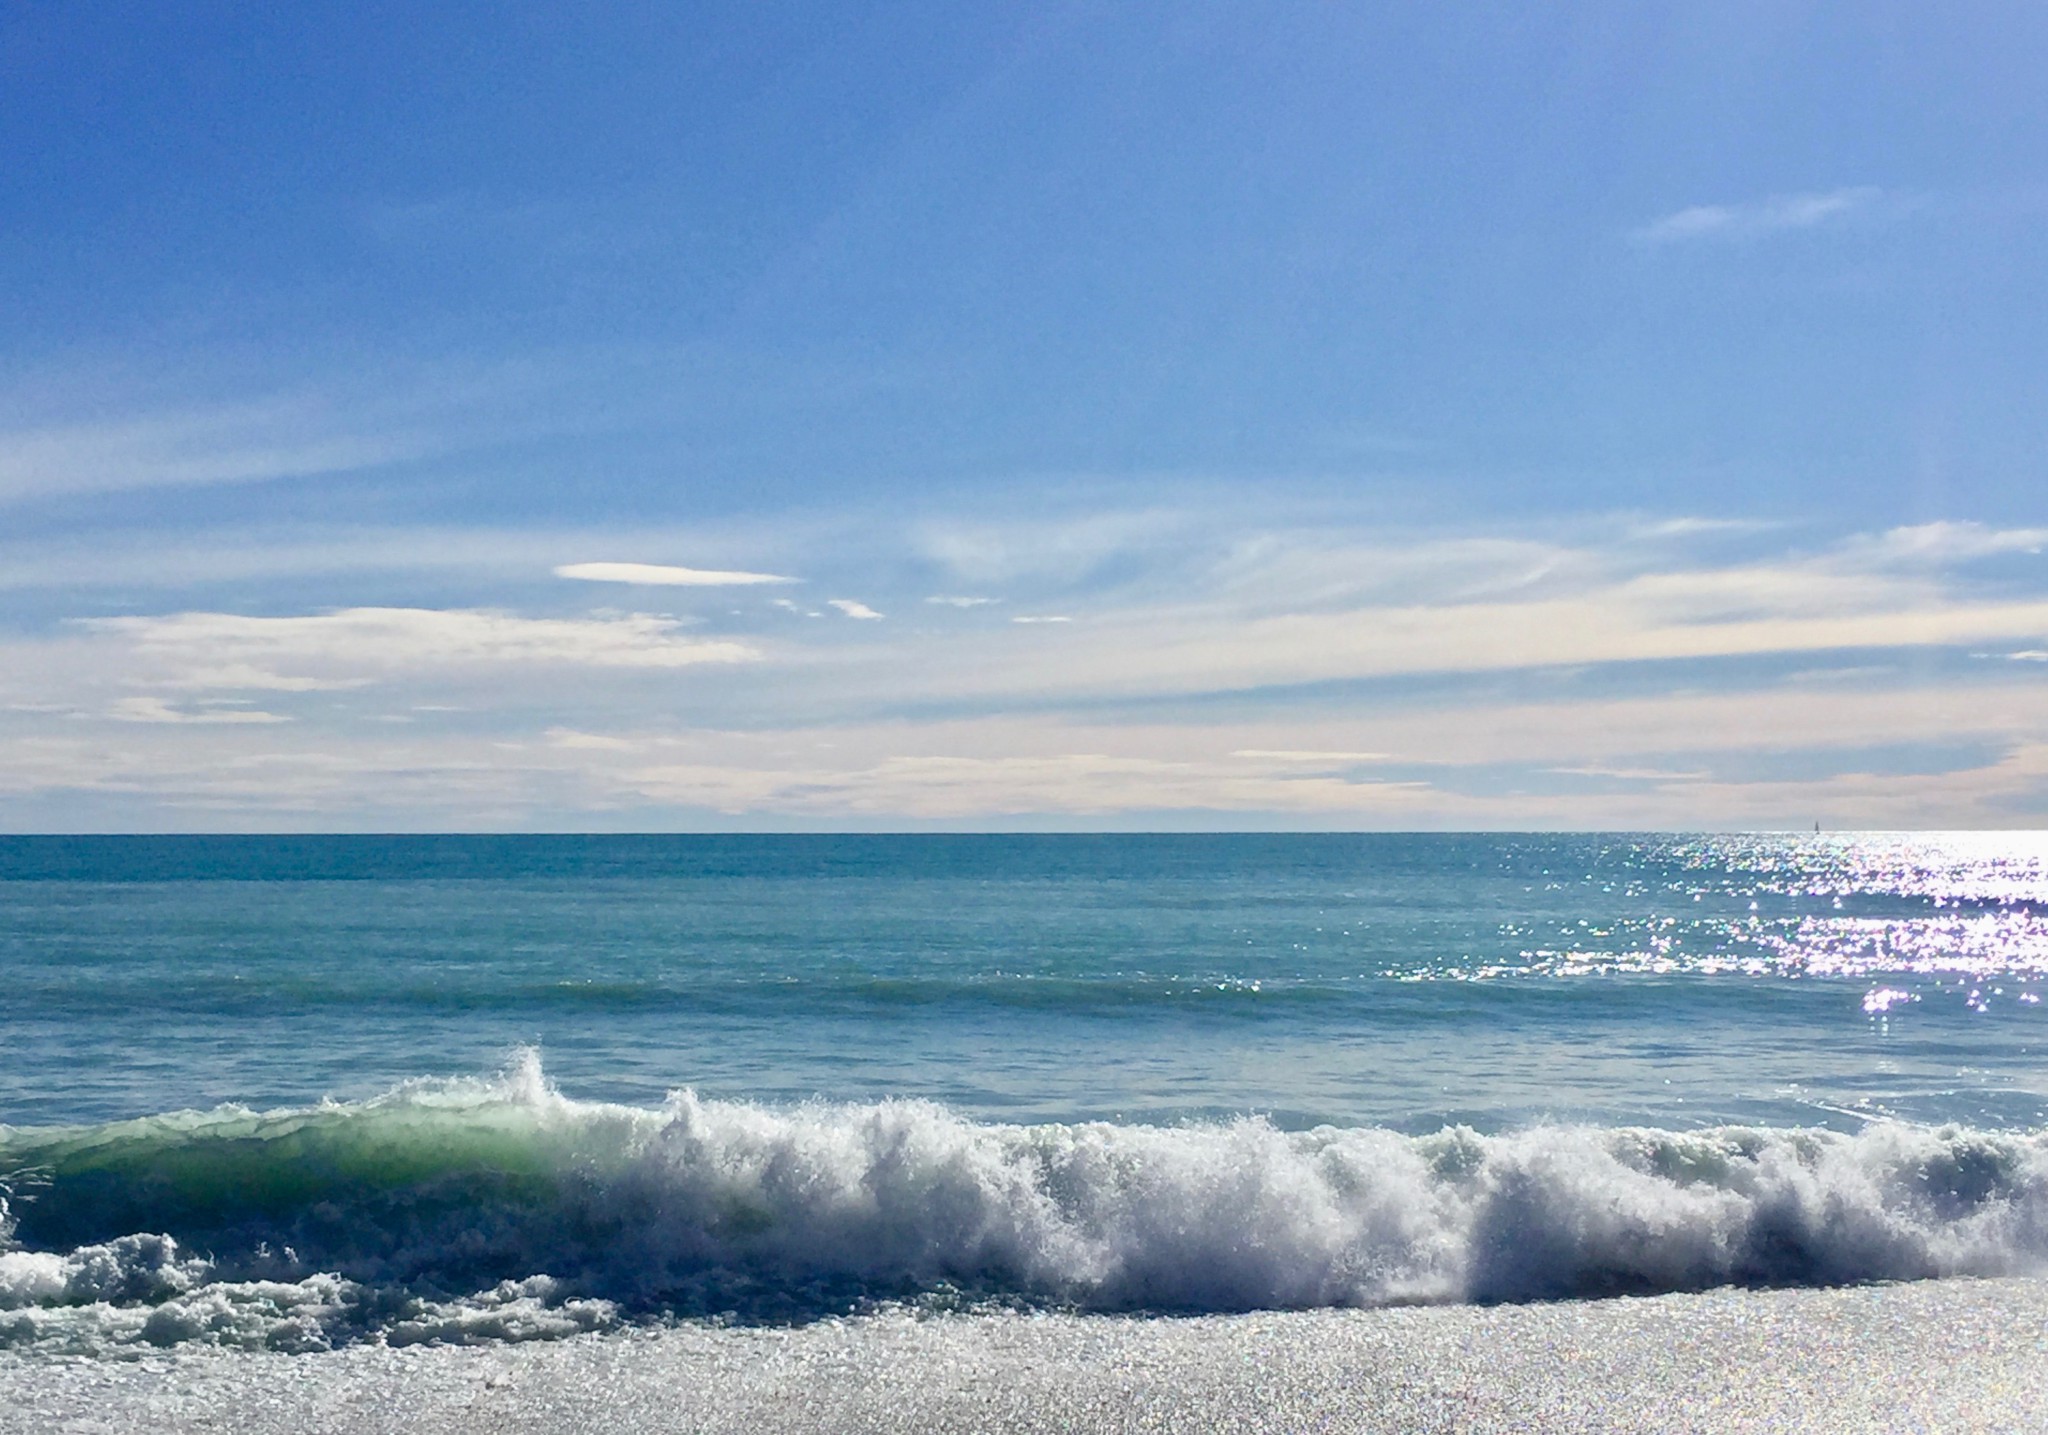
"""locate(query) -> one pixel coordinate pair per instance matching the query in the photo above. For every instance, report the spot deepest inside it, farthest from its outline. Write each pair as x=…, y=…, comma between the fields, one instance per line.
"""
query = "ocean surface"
x=291, y=1093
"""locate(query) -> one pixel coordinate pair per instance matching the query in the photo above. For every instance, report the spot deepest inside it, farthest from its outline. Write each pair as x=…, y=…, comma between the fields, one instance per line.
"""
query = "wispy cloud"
x=1942, y=543
x=1059, y=548
x=665, y=575
x=1756, y=218
x=574, y=740
x=156, y=710
x=1675, y=759
x=1479, y=660
x=946, y=787
x=1590, y=606
x=1267, y=754
x=240, y=443
x=1634, y=774
x=949, y=601
x=328, y=649
x=248, y=677
x=853, y=608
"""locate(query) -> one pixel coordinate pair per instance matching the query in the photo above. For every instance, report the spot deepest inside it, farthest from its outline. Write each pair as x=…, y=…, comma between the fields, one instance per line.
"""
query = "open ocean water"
x=290, y=1093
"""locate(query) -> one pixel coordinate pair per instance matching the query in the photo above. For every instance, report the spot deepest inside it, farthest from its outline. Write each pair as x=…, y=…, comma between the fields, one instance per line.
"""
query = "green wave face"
x=447, y=1182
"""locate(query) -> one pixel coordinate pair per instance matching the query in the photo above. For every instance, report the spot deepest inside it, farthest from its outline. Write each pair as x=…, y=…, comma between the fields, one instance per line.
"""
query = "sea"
x=291, y=1094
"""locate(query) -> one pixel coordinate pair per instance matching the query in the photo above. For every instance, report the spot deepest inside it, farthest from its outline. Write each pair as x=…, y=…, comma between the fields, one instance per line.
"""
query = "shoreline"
x=1933, y=1355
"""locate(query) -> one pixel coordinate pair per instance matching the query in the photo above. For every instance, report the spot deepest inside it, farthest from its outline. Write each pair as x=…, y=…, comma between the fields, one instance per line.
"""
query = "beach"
x=1936, y=1355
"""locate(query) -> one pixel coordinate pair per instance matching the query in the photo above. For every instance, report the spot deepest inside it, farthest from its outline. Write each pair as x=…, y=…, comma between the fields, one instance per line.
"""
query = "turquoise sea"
x=302, y=1091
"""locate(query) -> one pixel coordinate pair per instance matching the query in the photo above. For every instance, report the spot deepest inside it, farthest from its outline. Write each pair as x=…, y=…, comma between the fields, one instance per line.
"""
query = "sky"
x=1068, y=416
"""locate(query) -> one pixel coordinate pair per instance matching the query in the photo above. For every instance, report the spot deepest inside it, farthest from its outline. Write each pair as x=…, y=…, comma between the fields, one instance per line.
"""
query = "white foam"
x=556, y=1214
x=140, y=1268
x=1242, y=1215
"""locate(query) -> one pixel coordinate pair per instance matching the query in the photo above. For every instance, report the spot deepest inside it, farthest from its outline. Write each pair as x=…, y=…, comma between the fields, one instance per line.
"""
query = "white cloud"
x=1042, y=767
x=1269, y=754
x=1632, y=774
x=1038, y=727
x=570, y=738
x=948, y=601
x=853, y=609
x=339, y=646
x=248, y=677
x=156, y=710
x=1759, y=217
x=1942, y=543
x=945, y=787
x=665, y=575
x=948, y=770
x=1284, y=608
x=1167, y=652
x=1042, y=618
x=301, y=552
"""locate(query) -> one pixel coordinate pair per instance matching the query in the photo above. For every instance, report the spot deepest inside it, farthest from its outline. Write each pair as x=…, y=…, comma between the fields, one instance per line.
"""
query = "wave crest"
x=500, y=1209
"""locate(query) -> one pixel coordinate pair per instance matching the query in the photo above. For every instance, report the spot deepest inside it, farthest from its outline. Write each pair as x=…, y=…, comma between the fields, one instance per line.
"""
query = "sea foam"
x=499, y=1209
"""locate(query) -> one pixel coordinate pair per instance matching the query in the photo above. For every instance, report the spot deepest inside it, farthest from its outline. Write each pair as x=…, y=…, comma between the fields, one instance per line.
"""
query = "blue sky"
x=1192, y=415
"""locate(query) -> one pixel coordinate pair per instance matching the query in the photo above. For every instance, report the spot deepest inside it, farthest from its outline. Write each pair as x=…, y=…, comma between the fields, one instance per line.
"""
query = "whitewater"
x=499, y=1209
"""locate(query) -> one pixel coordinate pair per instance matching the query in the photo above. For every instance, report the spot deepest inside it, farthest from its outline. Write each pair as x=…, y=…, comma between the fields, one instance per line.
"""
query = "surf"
x=498, y=1208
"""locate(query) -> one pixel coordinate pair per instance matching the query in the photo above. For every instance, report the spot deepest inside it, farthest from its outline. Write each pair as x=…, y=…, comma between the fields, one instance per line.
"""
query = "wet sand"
x=1940, y=1355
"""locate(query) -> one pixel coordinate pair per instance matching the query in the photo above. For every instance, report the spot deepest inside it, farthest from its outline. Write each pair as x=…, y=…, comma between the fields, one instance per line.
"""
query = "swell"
x=492, y=1209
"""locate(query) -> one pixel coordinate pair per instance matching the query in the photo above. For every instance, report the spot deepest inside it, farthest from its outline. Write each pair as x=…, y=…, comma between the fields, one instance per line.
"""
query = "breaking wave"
x=501, y=1210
